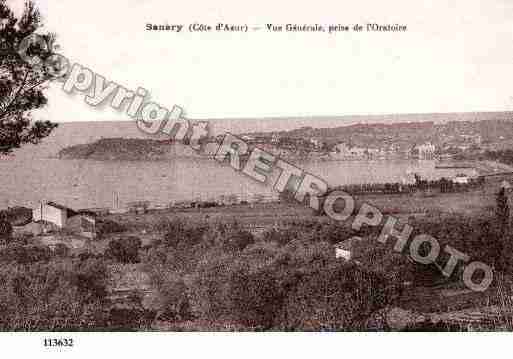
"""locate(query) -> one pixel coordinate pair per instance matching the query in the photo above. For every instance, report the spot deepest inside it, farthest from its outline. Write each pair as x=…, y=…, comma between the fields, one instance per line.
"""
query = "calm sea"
x=34, y=174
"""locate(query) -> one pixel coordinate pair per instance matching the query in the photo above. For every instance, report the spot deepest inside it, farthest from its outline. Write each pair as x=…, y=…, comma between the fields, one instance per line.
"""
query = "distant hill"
x=117, y=149
x=491, y=130
x=496, y=133
x=126, y=149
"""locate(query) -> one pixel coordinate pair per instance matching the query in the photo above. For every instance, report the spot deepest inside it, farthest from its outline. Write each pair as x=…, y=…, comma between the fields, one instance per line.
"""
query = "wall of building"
x=51, y=214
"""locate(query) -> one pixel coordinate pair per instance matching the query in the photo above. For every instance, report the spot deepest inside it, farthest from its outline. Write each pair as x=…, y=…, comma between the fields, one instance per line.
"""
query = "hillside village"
x=424, y=140
x=467, y=139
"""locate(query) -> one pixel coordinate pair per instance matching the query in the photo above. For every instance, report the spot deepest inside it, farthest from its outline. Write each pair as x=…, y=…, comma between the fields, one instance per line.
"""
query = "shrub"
x=280, y=236
x=17, y=216
x=238, y=240
x=61, y=295
x=179, y=234
x=255, y=296
x=124, y=250
x=299, y=286
x=335, y=296
x=5, y=230
x=24, y=254
x=172, y=302
x=105, y=227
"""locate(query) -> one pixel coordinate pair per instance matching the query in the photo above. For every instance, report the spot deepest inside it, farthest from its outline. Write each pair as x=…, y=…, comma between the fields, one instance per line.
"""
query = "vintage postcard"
x=255, y=167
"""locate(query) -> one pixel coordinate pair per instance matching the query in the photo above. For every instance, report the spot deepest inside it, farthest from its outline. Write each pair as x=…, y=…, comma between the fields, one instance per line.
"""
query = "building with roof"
x=426, y=150
x=344, y=249
x=82, y=224
x=52, y=212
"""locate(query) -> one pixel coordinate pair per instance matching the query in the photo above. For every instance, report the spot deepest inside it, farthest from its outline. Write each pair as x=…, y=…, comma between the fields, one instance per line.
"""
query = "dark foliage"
x=5, y=230
x=124, y=250
x=20, y=254
x=502, y=210
x=17, y=216
x=59, y=295
x=105, y=227
x=21, y=84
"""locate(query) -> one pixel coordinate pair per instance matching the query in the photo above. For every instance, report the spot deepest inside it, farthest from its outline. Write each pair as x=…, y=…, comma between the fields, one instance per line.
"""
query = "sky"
x=457, y=56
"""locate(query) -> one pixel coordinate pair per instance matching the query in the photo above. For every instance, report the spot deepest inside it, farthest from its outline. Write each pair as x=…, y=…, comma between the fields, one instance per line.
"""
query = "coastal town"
x=425, y=140
x=449, y=141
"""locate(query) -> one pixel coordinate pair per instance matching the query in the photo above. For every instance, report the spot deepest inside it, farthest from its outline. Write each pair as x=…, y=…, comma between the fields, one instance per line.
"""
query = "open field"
x=258, y=215
x=477, y=202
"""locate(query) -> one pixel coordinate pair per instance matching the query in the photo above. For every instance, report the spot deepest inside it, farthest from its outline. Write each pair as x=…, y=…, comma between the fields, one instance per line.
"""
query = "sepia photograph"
x=269, y=169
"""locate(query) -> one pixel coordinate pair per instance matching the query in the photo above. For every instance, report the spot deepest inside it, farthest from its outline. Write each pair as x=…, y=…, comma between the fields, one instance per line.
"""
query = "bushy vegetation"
x=220, y=277
x=105, y=227
x=54, y=295
x=5, y=230
x=289, y=280
x=17, y=216
x=24, y=254
x=124, y=250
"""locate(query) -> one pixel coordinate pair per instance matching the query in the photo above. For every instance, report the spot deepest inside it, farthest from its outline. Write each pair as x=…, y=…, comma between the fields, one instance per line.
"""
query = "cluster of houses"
x=344, y=151
x=425, y=151
x=284, y=146
x=391, y=146
x=461, y=143
x=51, y=216
x=290, y=146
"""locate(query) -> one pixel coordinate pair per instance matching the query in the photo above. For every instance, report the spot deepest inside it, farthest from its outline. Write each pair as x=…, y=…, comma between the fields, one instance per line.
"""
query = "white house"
x=345, y=248
x=426, y=150
x=340, y=252
x=51, y=212
x=461, y=179
x=315, y=142
x=342, y=148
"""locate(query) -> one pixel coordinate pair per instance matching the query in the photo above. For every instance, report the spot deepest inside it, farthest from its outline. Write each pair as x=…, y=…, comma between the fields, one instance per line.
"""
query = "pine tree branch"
x=6, y=111
x=16, y=96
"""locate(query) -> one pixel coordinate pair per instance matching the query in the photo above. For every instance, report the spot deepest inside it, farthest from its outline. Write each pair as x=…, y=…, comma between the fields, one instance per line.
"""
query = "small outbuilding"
x=83, y=225
x=345, y=248
x=138, y=207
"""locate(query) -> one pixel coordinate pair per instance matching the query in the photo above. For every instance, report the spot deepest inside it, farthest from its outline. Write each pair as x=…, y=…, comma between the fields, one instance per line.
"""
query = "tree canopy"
x=22, y=84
